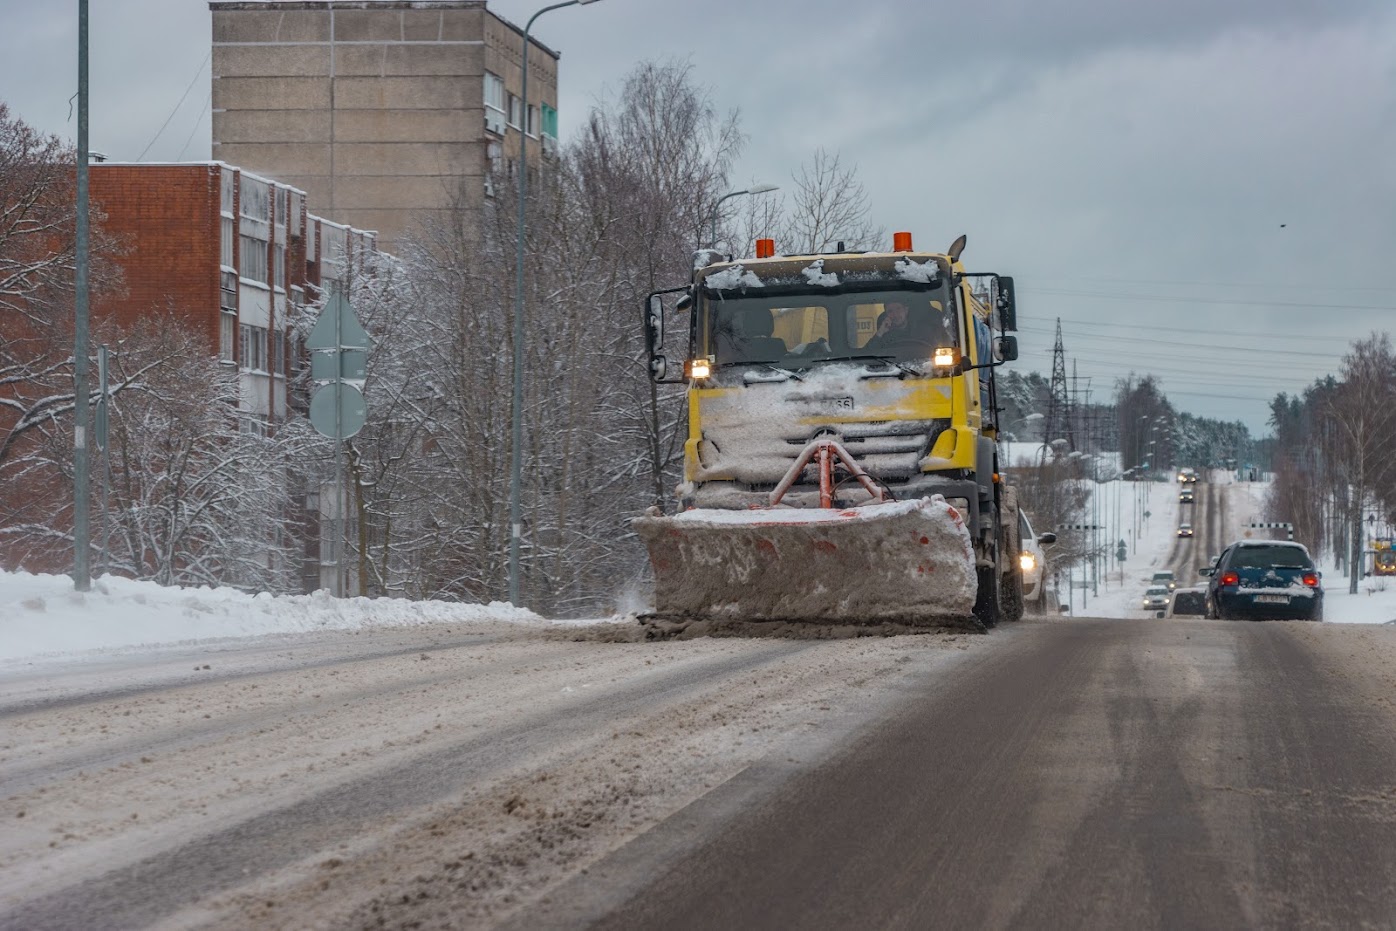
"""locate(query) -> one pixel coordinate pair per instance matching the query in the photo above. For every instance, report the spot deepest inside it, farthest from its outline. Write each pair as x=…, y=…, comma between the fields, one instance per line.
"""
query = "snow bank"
x=43, y=614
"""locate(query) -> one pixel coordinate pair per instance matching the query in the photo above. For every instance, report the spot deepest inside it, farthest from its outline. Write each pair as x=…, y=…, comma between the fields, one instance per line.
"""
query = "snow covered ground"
x=41, y=614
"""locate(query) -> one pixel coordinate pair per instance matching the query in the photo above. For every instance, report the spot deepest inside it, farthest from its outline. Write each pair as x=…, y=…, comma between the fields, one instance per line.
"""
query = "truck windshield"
x=792, y=330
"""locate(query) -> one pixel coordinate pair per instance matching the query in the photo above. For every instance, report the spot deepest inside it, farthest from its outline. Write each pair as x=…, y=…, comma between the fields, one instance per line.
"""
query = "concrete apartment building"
x=228, y=252
x=385, y=112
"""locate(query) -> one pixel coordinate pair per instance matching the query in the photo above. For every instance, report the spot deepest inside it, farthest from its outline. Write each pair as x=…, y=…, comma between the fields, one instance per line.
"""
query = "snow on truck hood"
x=753, y=434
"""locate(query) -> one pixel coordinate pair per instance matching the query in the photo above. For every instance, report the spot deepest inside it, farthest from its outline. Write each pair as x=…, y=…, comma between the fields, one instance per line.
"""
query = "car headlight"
x=1028, y=561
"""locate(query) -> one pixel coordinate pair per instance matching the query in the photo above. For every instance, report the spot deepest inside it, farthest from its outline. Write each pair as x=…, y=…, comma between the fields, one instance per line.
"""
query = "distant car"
x=1187, y=475
x=1258, y=579
x=1188, y=602
x=1156, y=598
x=1186, y=496
x=1032, y=560
x=1164, y=578
x=1185, y=530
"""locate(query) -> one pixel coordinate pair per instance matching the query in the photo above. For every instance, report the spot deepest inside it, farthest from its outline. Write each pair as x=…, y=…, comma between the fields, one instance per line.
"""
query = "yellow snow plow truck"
x=841, y=464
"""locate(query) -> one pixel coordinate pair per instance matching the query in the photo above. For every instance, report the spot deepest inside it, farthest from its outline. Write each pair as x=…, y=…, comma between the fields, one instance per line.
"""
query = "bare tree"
x=828, y=205
x=200, y=493
x=1364, y=413
x=37, y=218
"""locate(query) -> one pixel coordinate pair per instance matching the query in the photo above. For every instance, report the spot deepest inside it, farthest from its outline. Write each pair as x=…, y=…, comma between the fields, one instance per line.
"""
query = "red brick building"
x=228, y=251
x=230, y=254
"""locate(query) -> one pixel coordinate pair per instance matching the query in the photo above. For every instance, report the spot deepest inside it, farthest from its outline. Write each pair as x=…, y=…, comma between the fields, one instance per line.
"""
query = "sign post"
x=339, y=349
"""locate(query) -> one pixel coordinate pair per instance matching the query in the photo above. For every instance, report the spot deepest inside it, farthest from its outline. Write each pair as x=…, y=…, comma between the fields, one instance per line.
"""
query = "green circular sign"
x=351, y=411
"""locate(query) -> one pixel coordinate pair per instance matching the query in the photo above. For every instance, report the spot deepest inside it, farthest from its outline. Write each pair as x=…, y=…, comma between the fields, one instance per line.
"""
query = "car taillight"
x=1311, y=580
x=1230, y=578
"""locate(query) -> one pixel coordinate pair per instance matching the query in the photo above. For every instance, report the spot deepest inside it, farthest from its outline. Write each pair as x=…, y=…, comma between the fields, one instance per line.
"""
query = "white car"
x=1156, y=599
x=1033, y=559
x=1185, y=530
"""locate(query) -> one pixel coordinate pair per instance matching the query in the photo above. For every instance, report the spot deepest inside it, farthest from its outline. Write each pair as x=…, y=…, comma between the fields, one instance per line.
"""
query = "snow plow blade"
x=908, y=562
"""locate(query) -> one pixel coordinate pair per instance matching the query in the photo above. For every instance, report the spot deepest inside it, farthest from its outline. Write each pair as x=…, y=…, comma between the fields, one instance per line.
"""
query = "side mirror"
x=659, y=367
x=654, y=322
x=1047, y=537
x=1206, y=571
x=1007, y=306
x=685, y=303
x=1008, y=348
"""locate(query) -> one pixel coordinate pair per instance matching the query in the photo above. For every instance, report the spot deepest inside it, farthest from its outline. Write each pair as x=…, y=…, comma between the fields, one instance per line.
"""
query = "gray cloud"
x=1131, y=163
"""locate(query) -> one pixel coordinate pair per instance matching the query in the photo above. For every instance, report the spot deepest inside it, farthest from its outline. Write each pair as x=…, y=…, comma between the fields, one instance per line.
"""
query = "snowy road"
x=442, y=775
x=1083, y=773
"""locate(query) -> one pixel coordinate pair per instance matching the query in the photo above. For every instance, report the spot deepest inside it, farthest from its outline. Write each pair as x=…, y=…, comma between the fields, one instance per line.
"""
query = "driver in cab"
x=900, y=331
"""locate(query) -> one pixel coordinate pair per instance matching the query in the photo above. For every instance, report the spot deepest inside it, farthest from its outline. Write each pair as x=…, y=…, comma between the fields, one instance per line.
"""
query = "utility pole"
x=82, y=571
x=1057, y=406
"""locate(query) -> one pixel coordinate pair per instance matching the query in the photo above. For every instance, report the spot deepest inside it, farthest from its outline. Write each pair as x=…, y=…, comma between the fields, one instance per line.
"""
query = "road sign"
x=351, y=414
x=338, y=311
x=353, y=363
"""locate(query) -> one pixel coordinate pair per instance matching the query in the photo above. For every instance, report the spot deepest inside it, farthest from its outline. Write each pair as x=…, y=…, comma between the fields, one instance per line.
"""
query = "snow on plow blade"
x=904, y=561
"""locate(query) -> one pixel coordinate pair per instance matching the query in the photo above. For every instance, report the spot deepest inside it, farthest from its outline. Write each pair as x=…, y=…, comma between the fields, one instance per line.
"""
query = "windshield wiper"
x=765, y=365
x=904, y=367
x=776, y=368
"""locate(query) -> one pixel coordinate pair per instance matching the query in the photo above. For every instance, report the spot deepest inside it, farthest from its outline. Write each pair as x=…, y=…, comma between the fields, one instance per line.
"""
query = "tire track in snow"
x=276, y=838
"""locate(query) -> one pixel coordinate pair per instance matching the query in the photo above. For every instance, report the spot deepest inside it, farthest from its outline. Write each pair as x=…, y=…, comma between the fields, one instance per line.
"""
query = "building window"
x=254, y=347
x=226, y=243
x=549, y=121
x=494, y=91
x=225, y=192
x=249, y=424
x=515, y=111
x=255, y=199
x=279, y=268
x=278, y=351
x=533, y=121
x=254, y=259
x=227, y=335
x=228, y=292
x=283, y=205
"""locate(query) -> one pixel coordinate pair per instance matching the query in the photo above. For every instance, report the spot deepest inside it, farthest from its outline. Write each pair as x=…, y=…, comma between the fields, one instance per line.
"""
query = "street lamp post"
x=516, y=408
x=717, y=211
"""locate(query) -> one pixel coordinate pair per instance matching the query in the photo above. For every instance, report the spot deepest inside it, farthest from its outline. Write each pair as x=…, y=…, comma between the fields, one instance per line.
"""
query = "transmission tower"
x=1058, y=422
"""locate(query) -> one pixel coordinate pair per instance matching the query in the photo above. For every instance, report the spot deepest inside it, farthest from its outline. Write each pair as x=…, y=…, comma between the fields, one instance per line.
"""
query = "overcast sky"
x=1200, y=189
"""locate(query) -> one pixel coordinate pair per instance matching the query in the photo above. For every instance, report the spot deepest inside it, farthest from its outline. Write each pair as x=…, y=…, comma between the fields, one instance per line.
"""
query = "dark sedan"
x=1259, y=579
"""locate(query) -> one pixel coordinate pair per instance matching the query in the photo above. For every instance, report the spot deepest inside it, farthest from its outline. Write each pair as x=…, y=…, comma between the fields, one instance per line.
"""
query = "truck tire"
x=1011, y=593
x=986, y=604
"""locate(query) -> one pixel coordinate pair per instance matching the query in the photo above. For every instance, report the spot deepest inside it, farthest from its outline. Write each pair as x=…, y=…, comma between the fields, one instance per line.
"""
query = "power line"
x=178, y=105
x=1095, y=324
x=1173, y=283
x=1156, y=299
x=1196, y=347
x=197, y=123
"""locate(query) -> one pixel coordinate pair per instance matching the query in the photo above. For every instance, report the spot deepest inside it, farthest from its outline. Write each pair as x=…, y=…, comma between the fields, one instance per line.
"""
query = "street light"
x=516, y=464
x=754, y=189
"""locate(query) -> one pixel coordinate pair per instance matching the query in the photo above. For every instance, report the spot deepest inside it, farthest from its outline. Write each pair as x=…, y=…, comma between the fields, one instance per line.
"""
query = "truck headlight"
x=699, y=368
x=945, y=357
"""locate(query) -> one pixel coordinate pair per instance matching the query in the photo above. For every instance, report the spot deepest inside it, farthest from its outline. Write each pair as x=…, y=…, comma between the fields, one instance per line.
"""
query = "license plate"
x=1272, y=599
